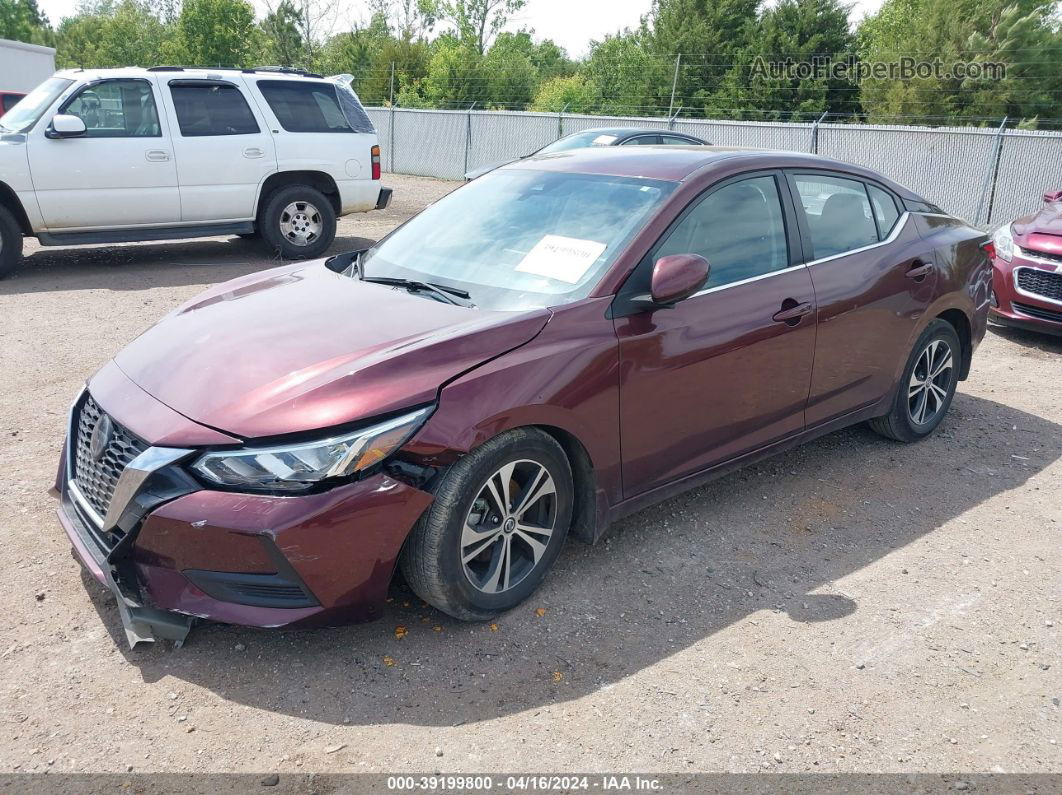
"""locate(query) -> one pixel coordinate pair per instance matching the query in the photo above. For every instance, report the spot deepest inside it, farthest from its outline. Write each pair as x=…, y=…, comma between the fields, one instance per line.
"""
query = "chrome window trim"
x=893, y=235
x=1034, y=296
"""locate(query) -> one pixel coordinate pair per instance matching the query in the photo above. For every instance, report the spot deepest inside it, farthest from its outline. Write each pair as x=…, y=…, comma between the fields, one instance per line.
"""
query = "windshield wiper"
x=447, y=294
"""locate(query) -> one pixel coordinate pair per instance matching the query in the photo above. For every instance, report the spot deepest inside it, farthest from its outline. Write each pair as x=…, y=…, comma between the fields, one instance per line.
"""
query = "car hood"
x=301, y=348
x=1047, y=221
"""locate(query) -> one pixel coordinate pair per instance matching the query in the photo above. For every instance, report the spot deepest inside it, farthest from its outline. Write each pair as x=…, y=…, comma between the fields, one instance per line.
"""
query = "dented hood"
x=302, y=348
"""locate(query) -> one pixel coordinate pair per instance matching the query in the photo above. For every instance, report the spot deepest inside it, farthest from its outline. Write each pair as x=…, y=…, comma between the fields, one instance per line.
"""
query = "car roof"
x=679, y=163
x=625, y=132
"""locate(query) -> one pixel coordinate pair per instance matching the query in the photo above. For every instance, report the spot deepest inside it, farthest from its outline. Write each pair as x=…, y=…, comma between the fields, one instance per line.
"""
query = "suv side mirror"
x=65, y=126
x=677, y=277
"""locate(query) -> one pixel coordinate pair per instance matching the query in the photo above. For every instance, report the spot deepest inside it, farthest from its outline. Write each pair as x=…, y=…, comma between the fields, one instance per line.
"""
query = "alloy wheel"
x=301, y=223
x=509, y=526
x=927, y=391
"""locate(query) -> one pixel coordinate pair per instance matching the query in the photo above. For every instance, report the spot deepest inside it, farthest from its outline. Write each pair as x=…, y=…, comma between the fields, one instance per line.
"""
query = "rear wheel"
x=927, y=386
x=10, y=242
x=299, y=222
x=498, y=522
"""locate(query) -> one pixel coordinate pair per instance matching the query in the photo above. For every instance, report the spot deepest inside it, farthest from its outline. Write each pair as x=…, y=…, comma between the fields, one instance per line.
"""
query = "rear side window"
x=643, y=140
x=314, y=107
x=209, y=108
x=674, y=140
x=738, y=228
x=885, y=212
x=116, y=109
x=838, y=214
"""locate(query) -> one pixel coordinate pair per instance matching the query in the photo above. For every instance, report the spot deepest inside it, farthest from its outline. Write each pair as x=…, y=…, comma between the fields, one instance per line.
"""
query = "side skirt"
x=144, y=234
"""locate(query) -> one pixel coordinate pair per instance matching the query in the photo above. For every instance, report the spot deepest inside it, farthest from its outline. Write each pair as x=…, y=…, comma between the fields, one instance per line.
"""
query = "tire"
x=433, y=559
x=916, y=412
x=10, y=243
x=298, y=222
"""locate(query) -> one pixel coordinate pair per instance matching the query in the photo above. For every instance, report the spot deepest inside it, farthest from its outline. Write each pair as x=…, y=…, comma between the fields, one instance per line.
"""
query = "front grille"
x=1042, y=255
x=96, y=479
x=1040, y=282
x=1037, y=312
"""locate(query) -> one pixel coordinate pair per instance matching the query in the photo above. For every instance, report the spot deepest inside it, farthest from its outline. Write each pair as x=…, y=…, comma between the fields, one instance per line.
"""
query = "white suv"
x=119, y=155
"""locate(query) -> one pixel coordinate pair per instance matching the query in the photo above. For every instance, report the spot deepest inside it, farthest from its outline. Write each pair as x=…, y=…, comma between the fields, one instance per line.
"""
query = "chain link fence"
x=987, y=176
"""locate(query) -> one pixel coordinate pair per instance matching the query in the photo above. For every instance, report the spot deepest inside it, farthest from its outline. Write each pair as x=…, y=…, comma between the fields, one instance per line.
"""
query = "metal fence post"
x=391, y=146
x=468, y=137
x=560, y=120
x=988, y=189
x=814, y=146
x=671, y=121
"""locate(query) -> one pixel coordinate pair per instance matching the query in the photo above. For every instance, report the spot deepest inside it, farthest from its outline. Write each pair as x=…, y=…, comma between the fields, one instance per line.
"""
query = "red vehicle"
x=8, y=100
x=553, y=346
x=1027, y=270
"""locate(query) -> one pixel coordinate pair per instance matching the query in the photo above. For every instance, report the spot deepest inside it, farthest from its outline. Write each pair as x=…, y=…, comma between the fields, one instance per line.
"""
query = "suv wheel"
x=298, y=222
x=927, y=386
x=498, y=522
x=10, y=242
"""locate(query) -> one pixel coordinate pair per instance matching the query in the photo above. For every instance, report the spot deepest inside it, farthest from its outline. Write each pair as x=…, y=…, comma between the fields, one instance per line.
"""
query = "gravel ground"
x=853, y=605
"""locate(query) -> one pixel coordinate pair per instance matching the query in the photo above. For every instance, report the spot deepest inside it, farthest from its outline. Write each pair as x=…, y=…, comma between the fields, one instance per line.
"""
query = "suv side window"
x=207, y=107
x=305, y=107
x=739, y=228
x=116, y=109
x=837, y=212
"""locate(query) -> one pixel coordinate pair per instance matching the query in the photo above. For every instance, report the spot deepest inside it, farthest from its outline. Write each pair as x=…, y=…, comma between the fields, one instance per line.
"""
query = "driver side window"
x=116, y=109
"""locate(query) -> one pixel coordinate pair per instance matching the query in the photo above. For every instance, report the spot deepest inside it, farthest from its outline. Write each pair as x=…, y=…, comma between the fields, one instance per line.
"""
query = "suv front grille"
x=1040, y=282
x=96, y=479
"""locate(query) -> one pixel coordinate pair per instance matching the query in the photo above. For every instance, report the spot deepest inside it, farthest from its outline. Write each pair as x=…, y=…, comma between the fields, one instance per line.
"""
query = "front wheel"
x=496, y=526
x=926, y=387
x=298, y=222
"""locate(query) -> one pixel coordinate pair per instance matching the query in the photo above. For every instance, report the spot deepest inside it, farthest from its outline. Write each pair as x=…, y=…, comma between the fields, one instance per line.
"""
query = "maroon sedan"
x=1027, y=270
x=547, y=349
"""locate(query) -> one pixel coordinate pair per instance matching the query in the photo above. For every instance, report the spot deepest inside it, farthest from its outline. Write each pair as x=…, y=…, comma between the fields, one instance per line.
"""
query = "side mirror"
x=677, y=277
x=65, y=126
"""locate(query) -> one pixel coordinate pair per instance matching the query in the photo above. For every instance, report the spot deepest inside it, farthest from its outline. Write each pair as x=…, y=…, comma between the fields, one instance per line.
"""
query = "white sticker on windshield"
x=603, y=140
x=566, y=259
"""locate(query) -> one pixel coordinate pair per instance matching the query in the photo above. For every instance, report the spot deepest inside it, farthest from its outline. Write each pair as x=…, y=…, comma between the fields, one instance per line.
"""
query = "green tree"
x=573, y=93
x=476, y=22
x=22, y=20
x=107, y=33
x=629, y=78
x=218, y=33
x=285, y=43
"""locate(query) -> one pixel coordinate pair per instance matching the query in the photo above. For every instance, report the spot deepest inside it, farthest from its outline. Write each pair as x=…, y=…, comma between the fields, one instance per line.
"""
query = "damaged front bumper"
x=172, y=551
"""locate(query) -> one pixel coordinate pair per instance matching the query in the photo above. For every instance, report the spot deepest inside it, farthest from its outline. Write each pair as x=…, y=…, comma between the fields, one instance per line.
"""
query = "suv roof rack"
x=288, y=70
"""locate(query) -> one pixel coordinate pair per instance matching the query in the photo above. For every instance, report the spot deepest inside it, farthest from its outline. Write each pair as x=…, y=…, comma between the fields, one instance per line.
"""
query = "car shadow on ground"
x=143, y=266
x=773, y=537
x=1041, y=341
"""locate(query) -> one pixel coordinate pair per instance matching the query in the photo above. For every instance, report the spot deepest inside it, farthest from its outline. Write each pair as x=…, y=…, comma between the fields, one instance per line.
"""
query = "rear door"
x=120, y=173
x=874, y=277
x=223, y=146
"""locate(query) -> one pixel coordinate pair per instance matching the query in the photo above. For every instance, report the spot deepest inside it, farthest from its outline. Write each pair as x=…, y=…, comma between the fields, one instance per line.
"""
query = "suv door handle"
x=157, y=155
x=791, y=312
x=919, y=270
x=253, y=152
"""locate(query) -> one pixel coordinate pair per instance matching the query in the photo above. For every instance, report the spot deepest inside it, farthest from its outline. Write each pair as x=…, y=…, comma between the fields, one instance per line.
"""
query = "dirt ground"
x=854, y=605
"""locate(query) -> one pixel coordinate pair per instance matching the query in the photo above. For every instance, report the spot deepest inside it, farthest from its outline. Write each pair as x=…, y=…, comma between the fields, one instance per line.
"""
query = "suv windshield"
x=26, y=113
x=517, y=239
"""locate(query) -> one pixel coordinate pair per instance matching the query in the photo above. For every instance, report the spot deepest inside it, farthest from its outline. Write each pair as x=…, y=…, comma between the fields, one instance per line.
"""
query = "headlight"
x=294, y=467
x=1004, y=243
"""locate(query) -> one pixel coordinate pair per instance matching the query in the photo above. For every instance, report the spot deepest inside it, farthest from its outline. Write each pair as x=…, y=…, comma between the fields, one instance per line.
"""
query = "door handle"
x=253, y=152
x=919, y=270
x=791, y=312
x=157, y=155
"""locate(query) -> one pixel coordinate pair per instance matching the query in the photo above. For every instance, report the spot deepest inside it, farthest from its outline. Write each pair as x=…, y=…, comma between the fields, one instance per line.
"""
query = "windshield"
x=32, y=106
x=579, y=141
x=516, y=239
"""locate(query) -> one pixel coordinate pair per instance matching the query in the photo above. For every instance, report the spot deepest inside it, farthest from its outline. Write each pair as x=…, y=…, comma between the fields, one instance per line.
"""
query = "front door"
x=120, y=173
x=726, y=371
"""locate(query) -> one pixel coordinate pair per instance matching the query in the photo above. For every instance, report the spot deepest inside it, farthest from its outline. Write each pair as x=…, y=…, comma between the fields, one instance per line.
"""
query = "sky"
x=570, y=23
